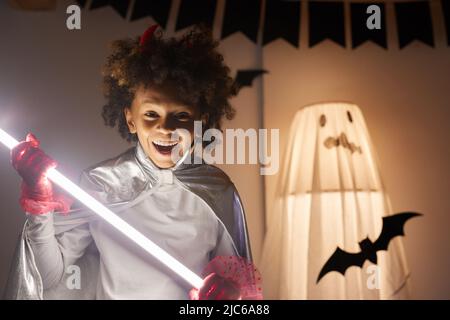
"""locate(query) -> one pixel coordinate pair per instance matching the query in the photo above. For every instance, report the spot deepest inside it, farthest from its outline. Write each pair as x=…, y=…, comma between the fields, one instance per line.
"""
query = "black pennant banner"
x=120, y=6
x=446, y=8
x=81, y=3
x=243, y=16
x=414, y=23
x=361, y=31
x=157, y=9
x=196, y=11
x=282, y=20
x=326, y=21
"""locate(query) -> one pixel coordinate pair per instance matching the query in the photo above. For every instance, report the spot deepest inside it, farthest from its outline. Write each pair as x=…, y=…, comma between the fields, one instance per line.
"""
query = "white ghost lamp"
x=329, y=195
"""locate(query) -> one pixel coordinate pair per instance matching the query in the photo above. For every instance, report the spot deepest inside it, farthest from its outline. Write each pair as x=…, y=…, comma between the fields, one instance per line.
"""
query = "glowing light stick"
x=114, y=220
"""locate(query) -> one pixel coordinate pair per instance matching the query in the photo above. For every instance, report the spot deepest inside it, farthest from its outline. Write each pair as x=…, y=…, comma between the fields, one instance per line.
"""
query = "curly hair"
x=188, y=67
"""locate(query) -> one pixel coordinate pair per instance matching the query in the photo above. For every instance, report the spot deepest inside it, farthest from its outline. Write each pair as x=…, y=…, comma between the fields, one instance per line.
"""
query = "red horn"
x=147, y=35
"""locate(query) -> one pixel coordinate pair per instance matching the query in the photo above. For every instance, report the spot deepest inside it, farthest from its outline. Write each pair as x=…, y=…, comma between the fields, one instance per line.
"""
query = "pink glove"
x=216, y=287
x=32, y=164
x=229, y=278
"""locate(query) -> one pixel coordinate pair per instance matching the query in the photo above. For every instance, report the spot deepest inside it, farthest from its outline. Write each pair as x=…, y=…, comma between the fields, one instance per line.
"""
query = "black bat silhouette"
x=341, y=260
x=244, y=78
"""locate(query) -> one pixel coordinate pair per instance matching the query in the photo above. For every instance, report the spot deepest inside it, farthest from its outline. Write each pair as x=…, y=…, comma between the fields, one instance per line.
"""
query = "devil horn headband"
x=147, y=35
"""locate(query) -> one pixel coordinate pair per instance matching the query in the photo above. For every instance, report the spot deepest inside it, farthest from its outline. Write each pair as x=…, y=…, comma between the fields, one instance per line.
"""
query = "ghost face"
x=341, y=139
x=343, y=160
x=162, y=125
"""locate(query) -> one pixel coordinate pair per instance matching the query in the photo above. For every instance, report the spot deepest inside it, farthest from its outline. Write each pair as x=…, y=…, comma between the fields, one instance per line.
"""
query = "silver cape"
x=118, y=183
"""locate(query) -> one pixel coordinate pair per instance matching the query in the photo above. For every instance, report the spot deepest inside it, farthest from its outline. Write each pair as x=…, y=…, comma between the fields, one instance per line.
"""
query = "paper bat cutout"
x=244, y=78
x=341, y=260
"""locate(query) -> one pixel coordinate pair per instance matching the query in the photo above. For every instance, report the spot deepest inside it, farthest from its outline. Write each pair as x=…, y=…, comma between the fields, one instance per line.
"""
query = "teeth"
x=165, y=143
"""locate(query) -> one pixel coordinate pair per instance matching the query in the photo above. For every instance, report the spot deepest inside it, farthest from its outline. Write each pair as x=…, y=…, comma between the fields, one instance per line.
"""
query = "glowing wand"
x=114, y=220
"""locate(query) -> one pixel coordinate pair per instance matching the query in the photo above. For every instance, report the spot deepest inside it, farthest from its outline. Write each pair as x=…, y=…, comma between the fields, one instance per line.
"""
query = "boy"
x=155, y=90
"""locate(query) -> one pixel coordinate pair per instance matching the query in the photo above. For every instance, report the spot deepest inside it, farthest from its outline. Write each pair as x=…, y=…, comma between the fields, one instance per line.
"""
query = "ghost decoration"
x=329, y=195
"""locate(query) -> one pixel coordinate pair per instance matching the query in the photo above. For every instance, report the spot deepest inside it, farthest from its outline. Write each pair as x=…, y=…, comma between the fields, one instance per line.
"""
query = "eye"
x=322, y=120
x=349, y=116
x=183, y=116
x=151, y=114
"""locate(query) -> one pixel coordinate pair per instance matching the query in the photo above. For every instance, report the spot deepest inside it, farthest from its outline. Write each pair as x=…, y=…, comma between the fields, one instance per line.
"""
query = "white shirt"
x=173, y=217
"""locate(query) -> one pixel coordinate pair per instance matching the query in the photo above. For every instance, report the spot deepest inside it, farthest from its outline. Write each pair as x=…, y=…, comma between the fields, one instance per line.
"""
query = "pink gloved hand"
x=32, y=164
x=229, y=278
x=216, y=287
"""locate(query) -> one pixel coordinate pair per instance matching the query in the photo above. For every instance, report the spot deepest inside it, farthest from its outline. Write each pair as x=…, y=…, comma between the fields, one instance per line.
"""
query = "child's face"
x=154, y=117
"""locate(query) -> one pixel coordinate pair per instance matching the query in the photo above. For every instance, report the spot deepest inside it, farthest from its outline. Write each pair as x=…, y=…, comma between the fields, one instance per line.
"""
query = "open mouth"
x=164, y=147
x=342, y=140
